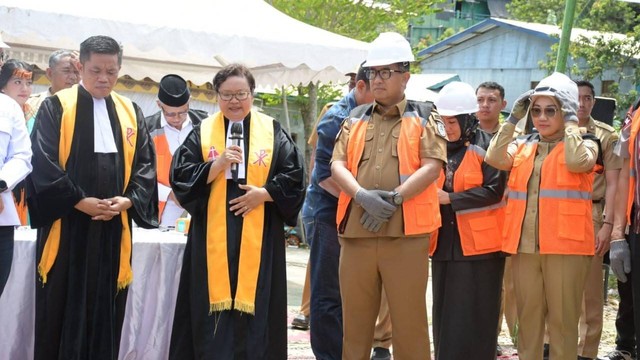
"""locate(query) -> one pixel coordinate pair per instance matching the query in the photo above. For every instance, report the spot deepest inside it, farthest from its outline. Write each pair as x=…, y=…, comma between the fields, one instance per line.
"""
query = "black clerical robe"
x=231, y=334
x=79, y=310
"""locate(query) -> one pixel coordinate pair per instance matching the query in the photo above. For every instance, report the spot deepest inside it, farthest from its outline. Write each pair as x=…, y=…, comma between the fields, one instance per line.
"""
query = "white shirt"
x=175, y=137
x=15, y=155
x=104, y=142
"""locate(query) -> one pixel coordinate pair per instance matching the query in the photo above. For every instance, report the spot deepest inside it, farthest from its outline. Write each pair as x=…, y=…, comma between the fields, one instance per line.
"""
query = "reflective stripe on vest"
x=565, y=225
x=421, y=214
x=479, y=228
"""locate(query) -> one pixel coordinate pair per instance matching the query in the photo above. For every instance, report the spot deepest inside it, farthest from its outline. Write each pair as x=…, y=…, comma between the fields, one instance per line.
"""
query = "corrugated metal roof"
x=544, y=31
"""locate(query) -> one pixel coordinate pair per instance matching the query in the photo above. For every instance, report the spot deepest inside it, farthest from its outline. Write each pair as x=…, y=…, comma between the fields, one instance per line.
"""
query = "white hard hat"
x=457, y=98
x=2, y=43
x=389, y=48
x=555, y=84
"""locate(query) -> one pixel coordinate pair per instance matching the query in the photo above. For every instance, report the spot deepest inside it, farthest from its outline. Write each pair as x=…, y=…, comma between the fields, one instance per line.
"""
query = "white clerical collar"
x=103, y=140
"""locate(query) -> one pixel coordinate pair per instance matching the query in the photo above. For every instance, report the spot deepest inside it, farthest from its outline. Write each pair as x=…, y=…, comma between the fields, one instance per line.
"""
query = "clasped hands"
x=103, y=209
x=378, y=207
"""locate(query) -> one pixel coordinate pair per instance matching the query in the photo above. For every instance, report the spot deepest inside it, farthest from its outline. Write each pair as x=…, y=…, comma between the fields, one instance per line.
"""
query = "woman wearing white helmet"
x=466, y=258
x=548, y=224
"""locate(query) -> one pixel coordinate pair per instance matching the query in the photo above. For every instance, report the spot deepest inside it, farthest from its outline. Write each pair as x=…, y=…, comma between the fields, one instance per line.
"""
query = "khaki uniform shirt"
x=313, y=138
x=501, y=153
x=608, y=139
x=379, y=166
x=34, y=103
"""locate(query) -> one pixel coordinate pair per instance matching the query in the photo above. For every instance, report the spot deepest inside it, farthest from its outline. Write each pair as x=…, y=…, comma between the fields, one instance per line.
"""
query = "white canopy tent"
x=192, y=38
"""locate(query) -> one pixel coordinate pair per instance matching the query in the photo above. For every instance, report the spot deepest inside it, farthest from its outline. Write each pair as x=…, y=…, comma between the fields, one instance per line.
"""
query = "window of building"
x=606, y=87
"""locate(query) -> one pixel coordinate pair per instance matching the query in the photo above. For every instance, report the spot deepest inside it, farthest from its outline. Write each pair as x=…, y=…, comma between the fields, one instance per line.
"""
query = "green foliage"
x=596, y=55
x=602, y=54
x=300, y=95
x=358, y=19
x=598, y=15
x=536, y=11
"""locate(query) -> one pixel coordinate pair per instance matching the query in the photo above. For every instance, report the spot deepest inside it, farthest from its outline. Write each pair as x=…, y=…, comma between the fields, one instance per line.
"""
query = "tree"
x=599, y=15
x=593, y=56
x=302, y=96
x=358, y=19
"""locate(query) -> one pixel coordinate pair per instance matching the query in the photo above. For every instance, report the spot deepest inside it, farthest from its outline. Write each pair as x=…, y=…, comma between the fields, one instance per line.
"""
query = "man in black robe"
x=200, y=330
x=94, y=172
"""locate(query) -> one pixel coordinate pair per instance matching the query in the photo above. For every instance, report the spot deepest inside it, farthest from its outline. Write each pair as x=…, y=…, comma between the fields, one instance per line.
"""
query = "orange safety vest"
x=633, y=145
x=421, y=214
x=565, y=225
x=164, y=157
x=480, y=229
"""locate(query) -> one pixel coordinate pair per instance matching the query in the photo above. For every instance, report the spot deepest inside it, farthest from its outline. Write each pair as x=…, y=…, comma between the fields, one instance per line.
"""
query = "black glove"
x=371, y=223
x=620, y=257
x=375, y=202
x=569, y=106
x=519, y=109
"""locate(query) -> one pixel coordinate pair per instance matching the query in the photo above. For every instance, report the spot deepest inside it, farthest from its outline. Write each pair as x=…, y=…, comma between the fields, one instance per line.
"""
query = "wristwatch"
x=3, y=185
x=396, y=198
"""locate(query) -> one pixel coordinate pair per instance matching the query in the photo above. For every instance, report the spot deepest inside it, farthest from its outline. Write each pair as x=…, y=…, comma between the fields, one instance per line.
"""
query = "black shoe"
x=499, y=350
x=380, y=353
x=620, y=355
x=545, y=352
x=300, y=322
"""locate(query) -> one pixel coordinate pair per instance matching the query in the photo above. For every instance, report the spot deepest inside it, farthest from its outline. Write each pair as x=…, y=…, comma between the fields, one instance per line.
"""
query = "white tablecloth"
x=157, y=261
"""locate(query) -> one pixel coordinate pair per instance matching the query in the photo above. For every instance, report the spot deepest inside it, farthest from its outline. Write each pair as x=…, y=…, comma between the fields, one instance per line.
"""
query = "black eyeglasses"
x=240, y=96
x=548, y=112
x=384, y=73
x=181, y=114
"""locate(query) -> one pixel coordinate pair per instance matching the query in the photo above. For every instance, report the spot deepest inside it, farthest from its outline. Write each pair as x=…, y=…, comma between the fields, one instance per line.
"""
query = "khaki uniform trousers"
x=401, y=265
x=382, y=333
x=508, y=303
x=551, y=287
x=305, y=303
x=593, y=303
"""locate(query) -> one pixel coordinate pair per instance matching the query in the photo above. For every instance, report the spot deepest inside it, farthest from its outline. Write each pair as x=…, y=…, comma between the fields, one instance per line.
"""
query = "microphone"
x=235, y=137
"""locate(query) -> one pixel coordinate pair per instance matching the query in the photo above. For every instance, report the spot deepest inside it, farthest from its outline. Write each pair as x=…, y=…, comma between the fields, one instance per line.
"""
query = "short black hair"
x=587, y=84
x=404, y=66
x=230, y=70
x=493, y=86
x=362, y=75
x=100, y=44
x=9, y=68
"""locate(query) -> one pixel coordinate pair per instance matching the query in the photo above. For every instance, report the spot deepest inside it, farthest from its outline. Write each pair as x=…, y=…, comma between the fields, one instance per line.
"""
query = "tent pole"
x=286, y=109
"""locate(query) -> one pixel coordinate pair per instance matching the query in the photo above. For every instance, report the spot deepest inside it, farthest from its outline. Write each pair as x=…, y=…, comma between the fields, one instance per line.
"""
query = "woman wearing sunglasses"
x=548, y=226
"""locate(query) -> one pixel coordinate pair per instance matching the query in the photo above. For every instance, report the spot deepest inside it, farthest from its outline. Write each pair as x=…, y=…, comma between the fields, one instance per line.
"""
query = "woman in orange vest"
x=548, y=224
x=466, y=258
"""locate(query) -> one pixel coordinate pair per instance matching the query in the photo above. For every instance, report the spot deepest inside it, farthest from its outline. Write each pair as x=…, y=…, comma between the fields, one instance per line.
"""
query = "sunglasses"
x=548, y=112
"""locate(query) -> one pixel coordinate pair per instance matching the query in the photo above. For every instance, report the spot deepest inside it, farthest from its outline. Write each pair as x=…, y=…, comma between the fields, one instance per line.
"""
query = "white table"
x=146, y=332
